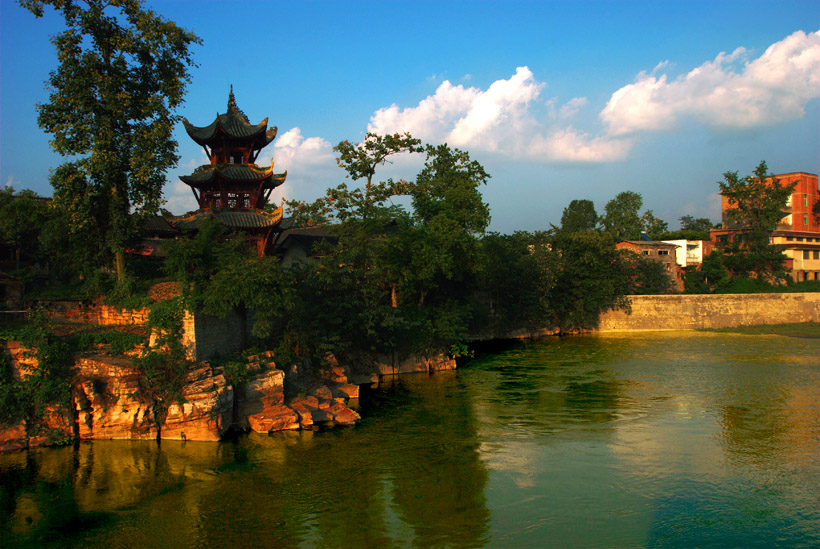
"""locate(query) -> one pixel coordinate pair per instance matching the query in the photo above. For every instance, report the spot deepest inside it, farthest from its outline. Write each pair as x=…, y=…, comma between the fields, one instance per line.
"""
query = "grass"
x=797, y=329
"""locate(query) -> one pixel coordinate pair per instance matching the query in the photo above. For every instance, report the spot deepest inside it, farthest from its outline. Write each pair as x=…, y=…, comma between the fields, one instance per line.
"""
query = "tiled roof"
x=239, y=218
x=235, y=124
x=234, y=172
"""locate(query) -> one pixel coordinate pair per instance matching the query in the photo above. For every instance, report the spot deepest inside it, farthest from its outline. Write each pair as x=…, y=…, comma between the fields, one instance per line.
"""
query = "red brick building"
x=798, y=234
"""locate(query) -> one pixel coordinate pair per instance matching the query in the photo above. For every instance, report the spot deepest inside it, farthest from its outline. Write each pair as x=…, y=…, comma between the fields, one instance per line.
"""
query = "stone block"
x=274, y=418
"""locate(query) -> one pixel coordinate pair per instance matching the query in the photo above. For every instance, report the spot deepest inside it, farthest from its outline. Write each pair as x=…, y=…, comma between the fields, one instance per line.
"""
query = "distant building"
x=798, y=234
x=691, y=252
x=656, y=250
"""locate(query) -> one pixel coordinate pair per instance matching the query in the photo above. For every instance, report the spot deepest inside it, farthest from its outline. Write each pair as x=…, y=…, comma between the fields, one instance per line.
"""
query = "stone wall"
x=687, y=312
x=206, y=336
x=89, y=313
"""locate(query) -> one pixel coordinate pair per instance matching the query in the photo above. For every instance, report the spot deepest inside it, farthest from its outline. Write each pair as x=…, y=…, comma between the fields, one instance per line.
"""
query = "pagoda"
x=232, y=189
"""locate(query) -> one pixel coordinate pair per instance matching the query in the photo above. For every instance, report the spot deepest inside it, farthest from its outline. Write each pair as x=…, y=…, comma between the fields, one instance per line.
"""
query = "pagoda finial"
x=232, y=101
x=232, y=106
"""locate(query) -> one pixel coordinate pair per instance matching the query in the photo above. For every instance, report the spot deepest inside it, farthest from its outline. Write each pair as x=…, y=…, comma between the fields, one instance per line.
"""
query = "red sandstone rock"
x=343, y=415
x=322, y=393
x=274, y=418
x=107, y=402
x=206, y=411
x=305, y=417
x=264, y=389
x=320, y=416
x=349, y=390
x=13, y=437
x=387, y=365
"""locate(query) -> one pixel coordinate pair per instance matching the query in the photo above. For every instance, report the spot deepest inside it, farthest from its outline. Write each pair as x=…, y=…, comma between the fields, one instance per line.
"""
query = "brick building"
x=798, y=234
x=664, y=252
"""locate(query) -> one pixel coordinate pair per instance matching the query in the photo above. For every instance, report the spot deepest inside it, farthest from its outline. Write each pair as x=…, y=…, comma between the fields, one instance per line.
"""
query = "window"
x=806, y=219
x=800, y=239
x=816, y=254
x=646, y=252
x=789, y=238
x=806, y=254
x=805, y=200
x=663, y=252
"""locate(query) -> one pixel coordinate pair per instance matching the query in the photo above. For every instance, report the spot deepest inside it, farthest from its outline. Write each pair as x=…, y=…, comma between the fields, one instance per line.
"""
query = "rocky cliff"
x=107, y=403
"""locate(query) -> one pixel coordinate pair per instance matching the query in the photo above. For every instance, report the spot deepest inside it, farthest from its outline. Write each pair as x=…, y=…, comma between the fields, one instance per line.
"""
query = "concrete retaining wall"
x=687, y=312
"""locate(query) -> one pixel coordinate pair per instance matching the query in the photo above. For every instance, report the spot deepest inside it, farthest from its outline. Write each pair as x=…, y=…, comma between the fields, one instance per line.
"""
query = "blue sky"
x=558, y=100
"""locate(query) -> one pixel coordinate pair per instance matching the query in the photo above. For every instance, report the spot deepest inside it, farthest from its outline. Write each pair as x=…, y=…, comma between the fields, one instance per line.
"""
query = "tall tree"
x=122, y=73
x=622, y=218
x=653, y=226
x=580, y=215
x=757, y=204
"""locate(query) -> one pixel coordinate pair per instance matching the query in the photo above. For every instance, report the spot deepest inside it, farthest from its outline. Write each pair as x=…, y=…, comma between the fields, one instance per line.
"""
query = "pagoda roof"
x=233, y=124
x=234, y=172
x=235, y=218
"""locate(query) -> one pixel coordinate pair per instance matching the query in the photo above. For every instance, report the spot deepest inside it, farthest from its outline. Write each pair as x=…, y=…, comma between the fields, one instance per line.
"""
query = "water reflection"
x=666, y=439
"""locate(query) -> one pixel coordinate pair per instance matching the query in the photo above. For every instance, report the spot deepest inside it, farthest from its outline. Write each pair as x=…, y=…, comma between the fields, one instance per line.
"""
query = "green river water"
x=661, y=439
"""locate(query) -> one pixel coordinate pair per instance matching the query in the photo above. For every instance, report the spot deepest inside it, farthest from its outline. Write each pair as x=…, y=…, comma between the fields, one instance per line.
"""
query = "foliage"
x=164, y=366
x=118, y=342
x=653, y=226
x=622, y=218
x=758, y=202
x=517, y=276
x=701, y=224
x=218, y=273
x=22, y=217
x=711, y=276
x=580, y=215
x=122, y=72
x=650, y=276
x=48, y=384
x=393, y=281
x=593, y=276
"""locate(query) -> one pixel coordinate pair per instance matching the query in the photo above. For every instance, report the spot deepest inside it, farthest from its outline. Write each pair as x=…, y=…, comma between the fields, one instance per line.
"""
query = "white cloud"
x=730, y=92
x=498, y=119
x=573, y=146
x=309, y=161
x=572, y=107
x=179, y=198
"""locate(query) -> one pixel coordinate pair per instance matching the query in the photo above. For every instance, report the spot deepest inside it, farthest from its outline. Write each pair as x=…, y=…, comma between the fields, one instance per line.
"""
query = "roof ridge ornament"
x=232, y=106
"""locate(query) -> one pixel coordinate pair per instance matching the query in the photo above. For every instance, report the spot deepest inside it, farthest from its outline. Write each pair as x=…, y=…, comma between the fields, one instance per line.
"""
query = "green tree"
x=650, y=277
x=22, y=218
x=622, y=218
x=580, y=215
x=700, y=224
x=122, y=73
x=593, y=276
x=757, y=204
x=653, y=226
x=516, y=279
x=709, y=277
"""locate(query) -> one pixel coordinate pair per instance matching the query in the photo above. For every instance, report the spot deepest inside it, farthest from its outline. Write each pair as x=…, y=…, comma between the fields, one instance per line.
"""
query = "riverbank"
x=712, y=311
x=798, y=329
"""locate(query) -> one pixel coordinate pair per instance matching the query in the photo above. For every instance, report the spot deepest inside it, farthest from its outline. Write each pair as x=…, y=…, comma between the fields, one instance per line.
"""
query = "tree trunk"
x=120, y=262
